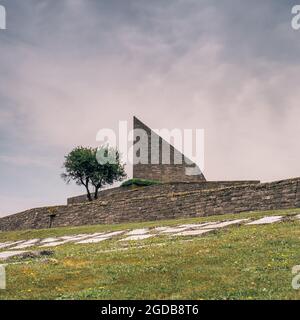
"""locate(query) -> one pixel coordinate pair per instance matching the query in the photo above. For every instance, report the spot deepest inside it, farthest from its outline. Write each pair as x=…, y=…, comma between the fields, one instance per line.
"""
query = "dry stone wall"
x=102, y=193
x=165, y=203
x=165, y=188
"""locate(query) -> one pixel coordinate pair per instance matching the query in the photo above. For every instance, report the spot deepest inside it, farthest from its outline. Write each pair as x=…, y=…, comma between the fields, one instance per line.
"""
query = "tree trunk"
x=88, y=193
x=97, y=187
x=96, y=193
x=86, y=184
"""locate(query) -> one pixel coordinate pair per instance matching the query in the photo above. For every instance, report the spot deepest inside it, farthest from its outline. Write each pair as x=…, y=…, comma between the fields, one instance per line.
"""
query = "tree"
x=92, y=167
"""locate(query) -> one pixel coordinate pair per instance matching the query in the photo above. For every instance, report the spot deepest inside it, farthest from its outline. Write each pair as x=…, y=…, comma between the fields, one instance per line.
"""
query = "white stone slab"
x=197, y=225
x=266, y=220
x=75, y=236
x=6, y=244
x=137, y=237
x=96, y=234
x=159, y=229
x=112, y=234
x=298, y=216
x=85, y=236
x=192, y=232
x=26, y=244
x=61, y=242
x=93, y=240
x=93, y=237
x=8, y=254
x=10, y=243
x=102, y=237
x=55, y=244
x=137, y=232
x=174, y=230
x=78, y=237
x=224, y=224
x=49, y=240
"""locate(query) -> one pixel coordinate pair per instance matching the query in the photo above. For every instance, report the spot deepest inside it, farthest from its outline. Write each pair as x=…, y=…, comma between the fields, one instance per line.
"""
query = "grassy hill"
x=237, y=262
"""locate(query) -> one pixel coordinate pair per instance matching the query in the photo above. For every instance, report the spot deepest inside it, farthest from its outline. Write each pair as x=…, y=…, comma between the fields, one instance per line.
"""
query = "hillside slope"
x=232, y=261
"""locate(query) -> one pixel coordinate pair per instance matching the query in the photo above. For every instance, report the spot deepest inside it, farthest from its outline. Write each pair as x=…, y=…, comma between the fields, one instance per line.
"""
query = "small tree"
x=92, y=167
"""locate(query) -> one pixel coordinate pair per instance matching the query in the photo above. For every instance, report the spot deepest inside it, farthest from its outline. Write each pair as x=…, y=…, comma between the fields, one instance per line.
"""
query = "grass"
x=135, y=182
x=246, y=262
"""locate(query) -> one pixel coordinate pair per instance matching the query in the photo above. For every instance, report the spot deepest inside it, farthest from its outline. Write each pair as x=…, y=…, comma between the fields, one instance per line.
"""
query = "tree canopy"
x=93, y=167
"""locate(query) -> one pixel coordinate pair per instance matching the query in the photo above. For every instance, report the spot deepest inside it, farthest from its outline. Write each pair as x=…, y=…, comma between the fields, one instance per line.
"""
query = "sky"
x=69, y=68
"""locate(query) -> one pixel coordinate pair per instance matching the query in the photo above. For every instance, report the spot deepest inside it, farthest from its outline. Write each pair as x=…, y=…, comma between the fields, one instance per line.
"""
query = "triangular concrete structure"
x=156, y=159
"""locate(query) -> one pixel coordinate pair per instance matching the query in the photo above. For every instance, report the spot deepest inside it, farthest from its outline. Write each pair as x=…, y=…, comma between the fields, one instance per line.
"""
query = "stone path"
x=26, y=244
x=9, y=254
x=193, y=232
x=174, y=230
x=266, y=220
x=138, y=237
x=218, y=225
x=137, y=232
x=197, y=229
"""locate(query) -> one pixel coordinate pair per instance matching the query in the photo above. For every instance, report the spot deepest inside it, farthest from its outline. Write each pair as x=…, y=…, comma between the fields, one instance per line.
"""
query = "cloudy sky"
x=71, y=67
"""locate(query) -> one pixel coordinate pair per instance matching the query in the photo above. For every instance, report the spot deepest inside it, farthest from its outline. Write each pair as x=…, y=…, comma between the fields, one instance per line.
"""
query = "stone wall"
x=106, y=192
x=164, y=173
x=166, y=203
x=166, y=187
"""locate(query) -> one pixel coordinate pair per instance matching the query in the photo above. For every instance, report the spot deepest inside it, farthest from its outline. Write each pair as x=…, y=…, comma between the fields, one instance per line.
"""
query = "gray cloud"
x=73, y=67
